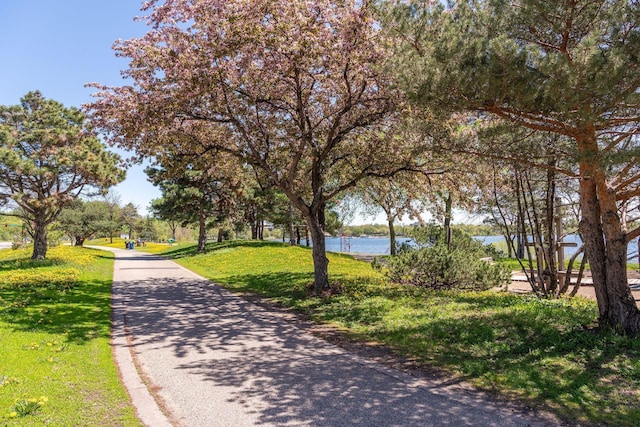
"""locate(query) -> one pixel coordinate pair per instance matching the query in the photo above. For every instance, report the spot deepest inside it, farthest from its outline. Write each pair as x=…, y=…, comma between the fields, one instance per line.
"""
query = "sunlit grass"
x=541, y=351
x=151, y=247
x=56, y=366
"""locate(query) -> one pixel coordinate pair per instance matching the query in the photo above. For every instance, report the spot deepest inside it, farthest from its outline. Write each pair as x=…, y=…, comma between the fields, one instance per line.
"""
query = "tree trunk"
x=39, y=240
x=220, y=234
x=315, y=221
x=605, y=244
x=79, y=241
x=173, y=226
x=202, y=233
x=392, y=237
x=292, y=239
x=549, y=221
x=510, y=245
x=254, y=228
x=447, y=220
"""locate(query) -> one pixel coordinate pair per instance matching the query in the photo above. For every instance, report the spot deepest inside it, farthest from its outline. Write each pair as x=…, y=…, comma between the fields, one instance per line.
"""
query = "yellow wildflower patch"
x=58, y=278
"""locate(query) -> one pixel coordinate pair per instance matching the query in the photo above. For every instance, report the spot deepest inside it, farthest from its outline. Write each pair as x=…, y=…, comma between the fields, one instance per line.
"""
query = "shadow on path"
x=220, y=360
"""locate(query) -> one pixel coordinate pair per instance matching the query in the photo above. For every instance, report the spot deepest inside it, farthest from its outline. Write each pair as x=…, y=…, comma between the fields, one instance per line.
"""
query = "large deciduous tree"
x=292, y=88
x=569, y=67
x=47, y=159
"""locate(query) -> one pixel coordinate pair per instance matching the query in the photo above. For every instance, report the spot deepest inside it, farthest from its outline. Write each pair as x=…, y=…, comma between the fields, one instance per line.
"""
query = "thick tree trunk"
x=315, y=221
x=392, y=237
x=202, y=233
x=39, y=240
x=591, y=231
x=220, y=234
x=79, y=241
x=605, y=245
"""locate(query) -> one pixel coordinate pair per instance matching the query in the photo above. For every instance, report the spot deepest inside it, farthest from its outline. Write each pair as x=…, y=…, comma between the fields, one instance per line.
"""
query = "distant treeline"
x=383, y=230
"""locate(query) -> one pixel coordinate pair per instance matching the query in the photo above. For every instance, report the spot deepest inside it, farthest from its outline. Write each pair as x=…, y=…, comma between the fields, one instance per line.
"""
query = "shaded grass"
x=56, y=366
x=544, y=352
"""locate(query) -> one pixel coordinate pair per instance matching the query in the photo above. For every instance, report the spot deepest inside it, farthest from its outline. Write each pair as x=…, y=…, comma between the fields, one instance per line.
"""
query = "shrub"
x=430, y=263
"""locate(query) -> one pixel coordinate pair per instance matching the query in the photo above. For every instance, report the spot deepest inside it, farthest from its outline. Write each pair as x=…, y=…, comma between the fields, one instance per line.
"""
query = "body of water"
x=380, y=245
x=363, y=245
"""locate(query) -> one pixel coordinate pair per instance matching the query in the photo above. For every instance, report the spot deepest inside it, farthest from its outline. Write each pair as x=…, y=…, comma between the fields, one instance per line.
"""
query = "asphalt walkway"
x=208, y=358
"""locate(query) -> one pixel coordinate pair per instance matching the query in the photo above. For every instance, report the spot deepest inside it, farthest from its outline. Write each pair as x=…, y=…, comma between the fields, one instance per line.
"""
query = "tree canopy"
x=47, y=159
x=568, y=67
x=82, y=220
x=293, y=88
x=196, y=190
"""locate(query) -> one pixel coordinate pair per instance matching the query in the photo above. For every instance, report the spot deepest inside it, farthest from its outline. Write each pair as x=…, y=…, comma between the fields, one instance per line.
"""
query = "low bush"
x=433, y=264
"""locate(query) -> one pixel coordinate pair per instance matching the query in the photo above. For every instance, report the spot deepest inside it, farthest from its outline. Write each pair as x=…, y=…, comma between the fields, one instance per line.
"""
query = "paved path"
x=214, y=359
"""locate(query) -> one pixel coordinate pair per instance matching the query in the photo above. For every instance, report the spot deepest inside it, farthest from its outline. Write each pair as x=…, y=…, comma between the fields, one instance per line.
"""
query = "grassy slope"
x=535, y=350
x=54, y=341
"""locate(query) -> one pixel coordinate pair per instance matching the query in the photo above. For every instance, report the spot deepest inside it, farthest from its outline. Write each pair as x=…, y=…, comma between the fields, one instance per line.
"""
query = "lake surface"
x=380, y=245
x=363, y=245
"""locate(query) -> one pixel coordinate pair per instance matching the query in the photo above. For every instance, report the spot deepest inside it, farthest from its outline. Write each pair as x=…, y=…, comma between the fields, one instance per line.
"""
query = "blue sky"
x=58, y=46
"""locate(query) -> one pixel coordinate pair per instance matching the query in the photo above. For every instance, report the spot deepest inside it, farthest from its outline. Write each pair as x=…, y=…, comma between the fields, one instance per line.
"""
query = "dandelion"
x=13, y=414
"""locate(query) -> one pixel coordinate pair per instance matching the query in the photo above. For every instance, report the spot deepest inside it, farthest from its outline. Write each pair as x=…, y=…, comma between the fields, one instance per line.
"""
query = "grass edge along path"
x=56, y=364
x=543, y=353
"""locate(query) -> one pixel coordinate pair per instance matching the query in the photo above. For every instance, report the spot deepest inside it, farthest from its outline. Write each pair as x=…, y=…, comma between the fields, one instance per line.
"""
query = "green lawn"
x=56, y=366
x=543, y=352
